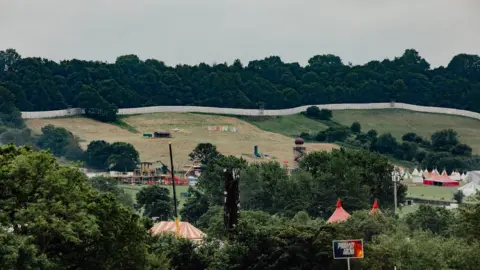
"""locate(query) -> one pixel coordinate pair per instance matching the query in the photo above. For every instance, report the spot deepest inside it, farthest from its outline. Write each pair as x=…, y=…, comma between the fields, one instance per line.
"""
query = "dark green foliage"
x=10, y=116
x=333, y=134
x=155, y=202
x=356, y=127
x=204, y=153
x=386, y=144
x=119, y=156
x=195, y=206
x=110, y=185
x=444, y=140
x=315, y=113
x=458, y=196
x=61, y=142
x=461, y=150
x=410, y=137
x=438, y=220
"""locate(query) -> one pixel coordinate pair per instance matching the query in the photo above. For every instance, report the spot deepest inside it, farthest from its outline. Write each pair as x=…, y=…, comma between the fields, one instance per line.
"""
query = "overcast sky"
x=190, y=32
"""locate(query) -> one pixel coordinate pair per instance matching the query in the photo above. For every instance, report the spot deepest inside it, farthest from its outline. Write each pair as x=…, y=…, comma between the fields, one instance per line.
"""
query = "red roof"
x=340, y=215
x=187, y=230
x=375, y=208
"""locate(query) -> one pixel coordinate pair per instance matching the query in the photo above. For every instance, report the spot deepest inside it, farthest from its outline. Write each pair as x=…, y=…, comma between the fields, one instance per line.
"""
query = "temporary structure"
x=340, y=215
x=417, y=177
x=456, y=176
x=440, y=180
x=470, y=189
x=375, y=208
x=463, y=177
x=187, y=230
x=444, y=173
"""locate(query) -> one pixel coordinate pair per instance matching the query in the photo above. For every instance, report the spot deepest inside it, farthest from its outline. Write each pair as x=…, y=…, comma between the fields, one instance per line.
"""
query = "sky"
x=217, y=31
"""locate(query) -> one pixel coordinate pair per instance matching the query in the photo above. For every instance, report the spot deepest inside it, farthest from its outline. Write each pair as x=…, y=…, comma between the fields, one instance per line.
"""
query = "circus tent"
x=187, y=230
x=340, y=215
x=456, y=176
x=375, y=208
x=440, y=180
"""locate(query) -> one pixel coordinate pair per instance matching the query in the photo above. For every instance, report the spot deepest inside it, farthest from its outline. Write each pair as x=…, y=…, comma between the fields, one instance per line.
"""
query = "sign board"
x=348, y=249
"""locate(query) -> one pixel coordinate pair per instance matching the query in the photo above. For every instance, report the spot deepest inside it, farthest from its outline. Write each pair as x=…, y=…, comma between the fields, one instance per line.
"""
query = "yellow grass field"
x=192, y=130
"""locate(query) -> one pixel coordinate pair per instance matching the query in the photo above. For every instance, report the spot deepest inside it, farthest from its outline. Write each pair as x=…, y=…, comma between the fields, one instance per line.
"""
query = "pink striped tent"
x=187, y=230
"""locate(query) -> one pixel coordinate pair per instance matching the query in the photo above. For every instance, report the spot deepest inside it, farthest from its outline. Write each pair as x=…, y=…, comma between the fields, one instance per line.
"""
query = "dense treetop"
x=41, y=84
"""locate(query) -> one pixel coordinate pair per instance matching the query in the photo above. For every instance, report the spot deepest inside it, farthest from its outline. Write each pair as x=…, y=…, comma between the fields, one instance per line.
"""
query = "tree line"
x=71, y=222
x=443, y=150
x=38, y=84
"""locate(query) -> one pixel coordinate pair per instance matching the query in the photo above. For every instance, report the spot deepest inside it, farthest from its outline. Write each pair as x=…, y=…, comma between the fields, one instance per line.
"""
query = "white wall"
x=254, y=112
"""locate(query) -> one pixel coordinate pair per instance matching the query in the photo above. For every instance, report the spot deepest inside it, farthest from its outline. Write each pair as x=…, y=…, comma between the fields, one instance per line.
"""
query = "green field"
x=399, y=122
x=134, y=189
x=431, y=192
x=288, y=125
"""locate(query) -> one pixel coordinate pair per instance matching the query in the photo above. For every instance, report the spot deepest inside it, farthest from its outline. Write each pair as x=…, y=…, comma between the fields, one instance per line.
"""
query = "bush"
x=461, y=150
x=386, y=144
x=420, y=156
x=316, y=113
x=356, y=127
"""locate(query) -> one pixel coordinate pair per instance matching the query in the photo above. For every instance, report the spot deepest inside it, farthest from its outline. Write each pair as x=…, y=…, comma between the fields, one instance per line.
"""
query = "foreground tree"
x=59, y=222
x=155, y=202
x=204, y=153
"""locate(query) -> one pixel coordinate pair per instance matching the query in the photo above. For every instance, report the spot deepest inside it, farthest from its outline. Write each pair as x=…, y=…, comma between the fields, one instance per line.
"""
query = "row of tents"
x=471, y=178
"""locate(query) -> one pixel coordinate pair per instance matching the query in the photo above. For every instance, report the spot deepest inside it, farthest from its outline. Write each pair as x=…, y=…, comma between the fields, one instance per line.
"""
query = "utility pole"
x=172, y=170
x=395, y=180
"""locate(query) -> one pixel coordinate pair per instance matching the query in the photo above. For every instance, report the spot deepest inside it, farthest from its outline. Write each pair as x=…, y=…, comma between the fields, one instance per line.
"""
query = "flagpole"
x=172, y=171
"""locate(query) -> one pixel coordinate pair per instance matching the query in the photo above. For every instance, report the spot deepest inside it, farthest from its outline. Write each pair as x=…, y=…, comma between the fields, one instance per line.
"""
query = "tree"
x=461, y=150
x=108, y=185
x=410, y=137
x=97, y=154
x=122, y=157
x=204, y=153
x=58, y=221
x=372, y=133
x=458, y=196
x=444, y=140
x=195, y=206
x=61, y=142
x=10, y=116
x=435, y=219
x=155, y=202
x=95, y=105
x=386, y=144
x=356, y=127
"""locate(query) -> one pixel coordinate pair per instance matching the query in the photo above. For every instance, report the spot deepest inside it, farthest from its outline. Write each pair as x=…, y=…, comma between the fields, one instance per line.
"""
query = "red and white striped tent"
x=187, y=230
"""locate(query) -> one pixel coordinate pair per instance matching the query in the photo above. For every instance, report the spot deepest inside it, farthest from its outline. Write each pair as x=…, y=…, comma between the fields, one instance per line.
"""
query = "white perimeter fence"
x=257, y=112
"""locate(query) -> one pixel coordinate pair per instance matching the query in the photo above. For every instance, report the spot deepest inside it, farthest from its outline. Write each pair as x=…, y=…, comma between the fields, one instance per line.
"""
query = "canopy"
x=470, y=189
x=416, y=172
x=375, y=208
x=187, y=230
x=456, y=176
x=440, y=180
x=340, y=215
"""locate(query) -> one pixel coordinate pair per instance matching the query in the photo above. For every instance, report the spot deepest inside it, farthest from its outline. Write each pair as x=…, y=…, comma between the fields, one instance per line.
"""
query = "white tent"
x=463, y=177
x=473, y=183
x=456, y=176
x=470, y=189
x=416, y=172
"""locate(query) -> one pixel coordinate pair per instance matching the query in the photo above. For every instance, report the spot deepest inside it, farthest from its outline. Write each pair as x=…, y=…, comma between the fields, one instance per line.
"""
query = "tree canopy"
x=37, y=84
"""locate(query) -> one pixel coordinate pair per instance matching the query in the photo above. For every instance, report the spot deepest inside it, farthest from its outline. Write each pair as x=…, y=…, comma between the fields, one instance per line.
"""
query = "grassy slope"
x=399, y=122
x=289, y=125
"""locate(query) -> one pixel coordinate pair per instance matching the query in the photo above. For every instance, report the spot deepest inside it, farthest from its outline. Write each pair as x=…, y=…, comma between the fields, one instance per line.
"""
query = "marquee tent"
x=340, y=215
x=187, y=230
x=440, y=180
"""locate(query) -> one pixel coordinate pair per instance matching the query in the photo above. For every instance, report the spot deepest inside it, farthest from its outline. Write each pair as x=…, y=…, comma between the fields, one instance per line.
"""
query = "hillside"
x=397, y=122
x=192, y=129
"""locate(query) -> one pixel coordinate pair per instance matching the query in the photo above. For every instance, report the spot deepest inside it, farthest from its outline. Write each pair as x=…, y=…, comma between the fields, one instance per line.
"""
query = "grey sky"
x=194, y=31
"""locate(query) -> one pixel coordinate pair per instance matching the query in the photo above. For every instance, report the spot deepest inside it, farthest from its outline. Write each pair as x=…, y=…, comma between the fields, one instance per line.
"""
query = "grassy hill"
x=397, y=122
x=188, y=129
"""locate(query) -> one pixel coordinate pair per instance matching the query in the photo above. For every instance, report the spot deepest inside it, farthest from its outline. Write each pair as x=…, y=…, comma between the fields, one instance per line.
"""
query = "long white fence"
x=257, y=112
